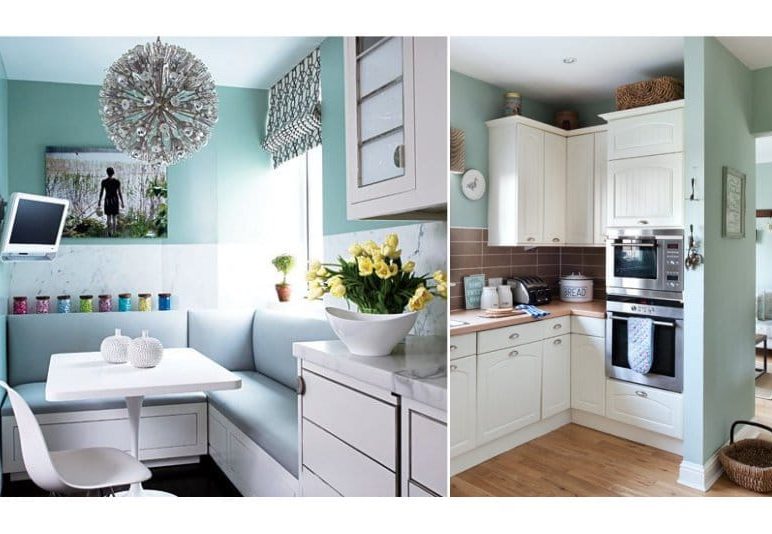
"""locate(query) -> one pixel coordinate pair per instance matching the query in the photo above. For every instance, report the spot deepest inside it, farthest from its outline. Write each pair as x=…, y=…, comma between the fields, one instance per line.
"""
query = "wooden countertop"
x=595, y=308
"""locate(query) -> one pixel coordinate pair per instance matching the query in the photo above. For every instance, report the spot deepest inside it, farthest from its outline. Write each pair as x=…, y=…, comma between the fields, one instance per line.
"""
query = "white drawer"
x=588, y=326
x=649, y=408
x=365, y=423
x=428, y=452
x=414, y=490
x=346, y=470
x=644, y=135
x=509, y=336
x=313, y=486
x=557, y=326
x=463, y=345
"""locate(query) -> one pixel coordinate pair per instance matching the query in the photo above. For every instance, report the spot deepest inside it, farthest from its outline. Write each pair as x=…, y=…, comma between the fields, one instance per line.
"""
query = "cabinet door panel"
x=530, y=194
x=644, y=135
x=588, y=373
x=646, y=191
x=554, y=189
x=381, y=112
x=579, y=189
x=380, y=66
x=380, y=159
x=556, y=376
x=463, y=404
x=508, y=390
x=650, y=408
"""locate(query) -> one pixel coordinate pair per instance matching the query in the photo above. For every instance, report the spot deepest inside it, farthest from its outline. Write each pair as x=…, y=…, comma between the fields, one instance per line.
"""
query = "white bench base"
x=252, y=470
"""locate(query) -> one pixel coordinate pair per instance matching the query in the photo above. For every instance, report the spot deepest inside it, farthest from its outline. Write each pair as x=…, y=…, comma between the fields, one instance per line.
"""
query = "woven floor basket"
x=748, y=463
x=649, y=92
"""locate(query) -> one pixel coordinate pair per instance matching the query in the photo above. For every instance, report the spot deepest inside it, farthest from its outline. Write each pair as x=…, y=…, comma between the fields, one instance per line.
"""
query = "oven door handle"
x=633, y=244
x=658, y=323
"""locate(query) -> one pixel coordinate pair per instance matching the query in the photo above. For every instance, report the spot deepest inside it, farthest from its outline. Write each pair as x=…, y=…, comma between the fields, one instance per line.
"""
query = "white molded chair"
x=75, y=470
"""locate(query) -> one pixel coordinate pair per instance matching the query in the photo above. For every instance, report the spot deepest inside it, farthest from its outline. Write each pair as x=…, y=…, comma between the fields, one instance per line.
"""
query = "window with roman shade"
x=294, y=112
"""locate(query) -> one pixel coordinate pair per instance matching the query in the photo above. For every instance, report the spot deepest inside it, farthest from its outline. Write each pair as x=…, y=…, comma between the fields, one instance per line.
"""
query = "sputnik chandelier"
x=158, y=103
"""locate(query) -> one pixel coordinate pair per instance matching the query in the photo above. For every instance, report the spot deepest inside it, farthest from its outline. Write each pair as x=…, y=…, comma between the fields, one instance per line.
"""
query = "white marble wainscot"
x=424, y=243
x=189, y=272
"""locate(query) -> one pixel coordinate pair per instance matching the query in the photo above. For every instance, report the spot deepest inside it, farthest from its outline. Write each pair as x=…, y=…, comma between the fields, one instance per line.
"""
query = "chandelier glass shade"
x=158, y=103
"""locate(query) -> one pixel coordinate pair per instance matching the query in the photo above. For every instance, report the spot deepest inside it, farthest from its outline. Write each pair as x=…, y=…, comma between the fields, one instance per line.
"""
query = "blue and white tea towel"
x=533, y=311
x=640, y=344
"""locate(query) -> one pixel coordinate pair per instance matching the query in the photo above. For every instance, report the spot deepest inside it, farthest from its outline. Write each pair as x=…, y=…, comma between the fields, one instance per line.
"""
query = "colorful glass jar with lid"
x=86, y=303
x=124, y=302
x=20, y=305
x=63, y=304
x=105, y=303
x=512, y=103
x=145, y=303
x=42, y=304
x=164, y=301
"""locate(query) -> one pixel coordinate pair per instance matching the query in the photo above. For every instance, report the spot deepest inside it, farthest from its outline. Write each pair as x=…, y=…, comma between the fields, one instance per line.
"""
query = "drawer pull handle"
x=557, y=342
x=514, y=336
x=301, y=386
x=513, y=354
x=453, y=347
x=643, y=221
x=453, y=368
x=642, y=394
x=556, y=240
x=557, y=326
x=531, y=239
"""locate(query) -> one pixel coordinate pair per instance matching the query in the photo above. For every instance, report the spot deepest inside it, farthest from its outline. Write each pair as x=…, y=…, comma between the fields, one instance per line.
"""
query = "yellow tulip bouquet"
x=376, y=280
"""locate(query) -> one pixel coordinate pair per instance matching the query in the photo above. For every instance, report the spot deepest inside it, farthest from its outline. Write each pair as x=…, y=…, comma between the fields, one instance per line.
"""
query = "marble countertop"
x=475, y=323
x=416, y=368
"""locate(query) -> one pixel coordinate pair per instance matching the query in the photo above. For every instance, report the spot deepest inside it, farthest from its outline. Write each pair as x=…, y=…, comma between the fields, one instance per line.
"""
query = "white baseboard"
x=702, y=476
x=476, y=456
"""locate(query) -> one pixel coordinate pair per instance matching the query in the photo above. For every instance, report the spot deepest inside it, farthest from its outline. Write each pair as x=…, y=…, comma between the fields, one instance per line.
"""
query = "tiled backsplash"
x=470, y=254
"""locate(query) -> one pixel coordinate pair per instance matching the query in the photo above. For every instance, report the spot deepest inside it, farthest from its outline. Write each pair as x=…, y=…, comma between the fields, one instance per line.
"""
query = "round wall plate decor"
x=473, y=184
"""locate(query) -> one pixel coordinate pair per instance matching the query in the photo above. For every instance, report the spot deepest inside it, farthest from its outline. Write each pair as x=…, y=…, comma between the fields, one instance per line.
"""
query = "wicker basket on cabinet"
x=649, y=92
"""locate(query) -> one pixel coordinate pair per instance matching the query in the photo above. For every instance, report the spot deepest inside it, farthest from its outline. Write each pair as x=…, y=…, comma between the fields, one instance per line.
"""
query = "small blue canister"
x=63, y=304
x=124, y=302
x=164, y=301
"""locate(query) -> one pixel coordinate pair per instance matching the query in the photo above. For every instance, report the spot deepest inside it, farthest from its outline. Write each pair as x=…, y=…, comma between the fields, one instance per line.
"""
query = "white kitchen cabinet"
x=463, y=345
x=396, y=127
x=428, y=457
x=555, y=231
x=580, y=190
x=556, y=375
x=463, y=404
x=646, y=191
x=600, y=188
x=588, y=373
x=508, y=390
x=646, y=131
x=649, y=408
x=543, y=183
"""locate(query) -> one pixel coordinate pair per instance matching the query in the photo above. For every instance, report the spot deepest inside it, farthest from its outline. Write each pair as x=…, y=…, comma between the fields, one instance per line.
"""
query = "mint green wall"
x=764, y=244
x=727, y=326
x=52, y=114
x=762, y=100
x=334, y=145
x=4, y=276
x=472, y=102
x=589, y=111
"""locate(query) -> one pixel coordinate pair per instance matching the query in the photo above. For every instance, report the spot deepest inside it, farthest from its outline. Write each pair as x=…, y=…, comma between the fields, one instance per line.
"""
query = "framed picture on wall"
x=733, y=214
x=110, y=194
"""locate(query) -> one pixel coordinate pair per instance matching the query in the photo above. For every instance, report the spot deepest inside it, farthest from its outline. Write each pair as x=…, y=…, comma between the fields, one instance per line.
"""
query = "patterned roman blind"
x=294, y=112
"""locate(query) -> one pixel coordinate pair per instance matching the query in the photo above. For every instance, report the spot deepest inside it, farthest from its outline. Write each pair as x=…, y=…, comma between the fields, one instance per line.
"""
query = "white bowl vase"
x=145, y=351
x=370, y=334
x=115, y=349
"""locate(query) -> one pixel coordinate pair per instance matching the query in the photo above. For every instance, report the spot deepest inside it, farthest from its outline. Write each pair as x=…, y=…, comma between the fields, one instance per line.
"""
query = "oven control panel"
x=673, y=265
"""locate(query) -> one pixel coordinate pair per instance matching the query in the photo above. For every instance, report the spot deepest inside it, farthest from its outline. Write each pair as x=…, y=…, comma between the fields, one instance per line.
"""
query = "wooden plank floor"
x=574, y=461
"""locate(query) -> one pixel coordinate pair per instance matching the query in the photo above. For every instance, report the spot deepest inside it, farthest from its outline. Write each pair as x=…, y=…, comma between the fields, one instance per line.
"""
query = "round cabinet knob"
x=557, y=326
x=453, y=368
x=453, y=347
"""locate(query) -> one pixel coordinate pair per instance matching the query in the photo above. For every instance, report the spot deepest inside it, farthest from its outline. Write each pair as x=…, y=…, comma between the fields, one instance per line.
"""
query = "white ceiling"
x=255, y=62
x=754, y=52
x=534, y=65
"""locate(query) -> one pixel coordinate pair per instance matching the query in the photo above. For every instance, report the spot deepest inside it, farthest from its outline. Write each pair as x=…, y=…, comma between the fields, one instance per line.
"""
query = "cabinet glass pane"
x=377, y=159
x=363, y=43
x=381, y=112
x=380, y=66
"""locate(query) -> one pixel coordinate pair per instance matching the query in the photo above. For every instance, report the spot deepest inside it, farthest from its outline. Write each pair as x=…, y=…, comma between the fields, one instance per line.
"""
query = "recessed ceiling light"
x=569, y=60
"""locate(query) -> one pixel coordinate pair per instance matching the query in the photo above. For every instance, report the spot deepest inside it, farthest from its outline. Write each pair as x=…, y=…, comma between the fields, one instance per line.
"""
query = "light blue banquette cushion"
x=32, y=339
x=225, y=336
x=274, y=332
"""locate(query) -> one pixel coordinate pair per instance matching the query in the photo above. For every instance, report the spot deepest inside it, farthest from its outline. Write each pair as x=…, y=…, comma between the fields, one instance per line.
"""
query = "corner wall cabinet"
x=544, y=183
x=396, y=127
x=645, y=168
x=520, y=382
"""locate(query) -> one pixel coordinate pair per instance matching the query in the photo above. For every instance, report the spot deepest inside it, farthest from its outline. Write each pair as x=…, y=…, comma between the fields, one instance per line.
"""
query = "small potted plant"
x=387, y=292
x=284, y=264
